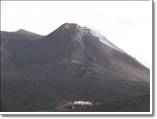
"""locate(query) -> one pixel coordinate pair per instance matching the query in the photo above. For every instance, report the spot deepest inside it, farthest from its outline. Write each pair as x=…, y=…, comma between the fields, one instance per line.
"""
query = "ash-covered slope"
x=70, y=63
x=13, y=42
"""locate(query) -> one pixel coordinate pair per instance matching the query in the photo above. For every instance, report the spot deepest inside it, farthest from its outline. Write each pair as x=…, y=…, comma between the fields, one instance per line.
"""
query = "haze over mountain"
x=71, y=63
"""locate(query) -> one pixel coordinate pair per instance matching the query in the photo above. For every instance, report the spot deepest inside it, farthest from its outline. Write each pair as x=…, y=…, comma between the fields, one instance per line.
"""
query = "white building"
x=82, y=103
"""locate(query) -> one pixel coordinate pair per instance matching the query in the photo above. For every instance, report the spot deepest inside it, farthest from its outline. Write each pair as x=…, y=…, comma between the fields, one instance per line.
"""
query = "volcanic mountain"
x=72, y=63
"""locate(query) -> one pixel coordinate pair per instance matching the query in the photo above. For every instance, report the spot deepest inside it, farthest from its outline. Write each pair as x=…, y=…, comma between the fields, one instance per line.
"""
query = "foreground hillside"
x=134, y=104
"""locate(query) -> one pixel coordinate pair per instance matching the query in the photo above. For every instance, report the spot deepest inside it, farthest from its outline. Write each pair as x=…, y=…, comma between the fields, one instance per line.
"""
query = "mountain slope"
x=70, y=64
x=12, y=43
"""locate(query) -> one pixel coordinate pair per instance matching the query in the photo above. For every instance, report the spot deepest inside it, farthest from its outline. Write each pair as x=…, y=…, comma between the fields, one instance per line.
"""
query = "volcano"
x=39, y=73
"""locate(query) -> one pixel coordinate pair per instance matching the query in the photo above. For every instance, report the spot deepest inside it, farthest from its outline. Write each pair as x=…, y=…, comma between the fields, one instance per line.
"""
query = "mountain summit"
x=71, y=63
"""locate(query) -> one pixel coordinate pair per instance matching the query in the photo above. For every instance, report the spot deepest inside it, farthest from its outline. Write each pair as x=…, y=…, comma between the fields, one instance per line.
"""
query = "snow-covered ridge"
x=105, y=41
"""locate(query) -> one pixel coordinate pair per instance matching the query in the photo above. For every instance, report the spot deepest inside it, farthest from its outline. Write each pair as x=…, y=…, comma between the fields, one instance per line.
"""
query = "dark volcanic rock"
x=68, y=64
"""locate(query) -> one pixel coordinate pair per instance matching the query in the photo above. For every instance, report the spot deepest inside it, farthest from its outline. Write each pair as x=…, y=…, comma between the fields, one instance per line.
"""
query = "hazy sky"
x=127, y=24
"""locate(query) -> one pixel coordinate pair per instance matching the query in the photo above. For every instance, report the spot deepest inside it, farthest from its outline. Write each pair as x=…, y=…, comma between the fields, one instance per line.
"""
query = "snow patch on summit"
x=80, y=31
